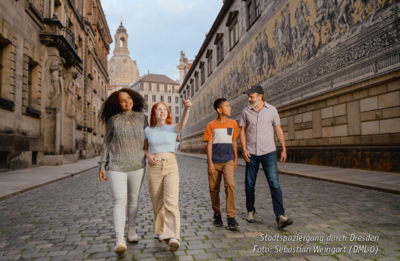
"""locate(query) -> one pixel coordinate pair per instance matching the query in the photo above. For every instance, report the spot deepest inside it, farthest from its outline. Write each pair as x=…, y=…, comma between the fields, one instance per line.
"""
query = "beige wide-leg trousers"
x=163, y=181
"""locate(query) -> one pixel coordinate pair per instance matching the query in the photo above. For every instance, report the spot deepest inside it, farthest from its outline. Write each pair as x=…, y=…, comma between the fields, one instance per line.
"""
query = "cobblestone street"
x=72, y=219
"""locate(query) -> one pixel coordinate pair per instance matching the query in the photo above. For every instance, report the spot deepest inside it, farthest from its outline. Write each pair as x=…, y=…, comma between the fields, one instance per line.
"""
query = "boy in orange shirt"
x=221, y=136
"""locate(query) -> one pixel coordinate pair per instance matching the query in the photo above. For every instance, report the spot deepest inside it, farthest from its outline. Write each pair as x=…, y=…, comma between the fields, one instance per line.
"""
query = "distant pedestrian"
x=221, y=137
x=163, y=172
x=123, y=158
x=258, y=122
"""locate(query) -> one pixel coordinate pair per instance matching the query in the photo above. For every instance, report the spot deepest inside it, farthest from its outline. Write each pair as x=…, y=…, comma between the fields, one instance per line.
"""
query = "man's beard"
x=252, y=104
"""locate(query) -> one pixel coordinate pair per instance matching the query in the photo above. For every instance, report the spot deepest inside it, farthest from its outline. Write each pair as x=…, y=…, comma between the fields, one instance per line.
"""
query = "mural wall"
x=303, y=40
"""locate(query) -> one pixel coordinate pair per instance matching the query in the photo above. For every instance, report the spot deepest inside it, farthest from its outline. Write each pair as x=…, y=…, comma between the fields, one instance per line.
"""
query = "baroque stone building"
x=159, y=88
x=330, y=67
x=53, y=81
x=121, y=68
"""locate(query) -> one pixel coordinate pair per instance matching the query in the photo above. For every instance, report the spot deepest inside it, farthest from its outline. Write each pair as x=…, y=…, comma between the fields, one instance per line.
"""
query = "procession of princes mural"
x=295, y=35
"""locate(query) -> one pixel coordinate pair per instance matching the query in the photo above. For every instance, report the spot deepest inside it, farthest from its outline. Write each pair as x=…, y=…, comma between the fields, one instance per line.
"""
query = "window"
x=169, y=109
x=233, y=34
x=146, y=87
x=192, y=90
x=146, y=97
x=29, y=91
x=169, y=88
x=176, y=110
x=176, y=88
x=154, y=98
x=220, y=47
x=209, y=57
x=202, y=72
x=253, y=11
x=161, y=87
x=196, y=81
x=1, y=65
x=232, y=23
x=162, y=98
x=176, y=99
x=169, y=99
x=250, y=13
x=153, y=87
x=30, y=84
x=176, y=119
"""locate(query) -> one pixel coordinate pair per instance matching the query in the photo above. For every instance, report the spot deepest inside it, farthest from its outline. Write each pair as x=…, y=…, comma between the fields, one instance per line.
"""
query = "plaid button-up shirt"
x=260, y=128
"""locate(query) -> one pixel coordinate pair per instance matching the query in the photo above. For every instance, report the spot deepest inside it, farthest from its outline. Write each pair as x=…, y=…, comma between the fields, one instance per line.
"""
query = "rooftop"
x=156, y=78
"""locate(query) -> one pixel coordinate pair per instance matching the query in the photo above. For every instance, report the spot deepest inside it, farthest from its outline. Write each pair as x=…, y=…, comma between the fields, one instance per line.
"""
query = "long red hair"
x=153, y=121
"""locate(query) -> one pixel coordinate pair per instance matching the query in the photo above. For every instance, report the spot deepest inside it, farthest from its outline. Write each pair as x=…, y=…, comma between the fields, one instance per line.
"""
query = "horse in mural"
x=303, y=39
x=326, y=11
x=283, y=38
x=344, y=7
x=305, y=44
x=302, y=10
x=269, y=63
x=364, y=6
x=254, y=65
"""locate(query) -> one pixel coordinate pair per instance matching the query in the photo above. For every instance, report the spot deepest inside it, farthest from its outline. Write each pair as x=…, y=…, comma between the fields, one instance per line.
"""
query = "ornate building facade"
x=53, y=81
x=159, y=88
x=332, y=68
x=121, y=68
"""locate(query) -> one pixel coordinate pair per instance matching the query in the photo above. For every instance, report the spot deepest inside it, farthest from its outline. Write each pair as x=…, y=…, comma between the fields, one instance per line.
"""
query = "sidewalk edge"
x=380, y=189
x=44, y=184
x=342, y=182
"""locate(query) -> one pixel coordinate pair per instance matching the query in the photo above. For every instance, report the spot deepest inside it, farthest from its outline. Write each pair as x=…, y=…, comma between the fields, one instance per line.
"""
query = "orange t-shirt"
x=222, y=134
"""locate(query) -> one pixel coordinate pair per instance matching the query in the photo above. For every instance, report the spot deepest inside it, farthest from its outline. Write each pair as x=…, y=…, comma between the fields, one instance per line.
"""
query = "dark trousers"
x=270, y=166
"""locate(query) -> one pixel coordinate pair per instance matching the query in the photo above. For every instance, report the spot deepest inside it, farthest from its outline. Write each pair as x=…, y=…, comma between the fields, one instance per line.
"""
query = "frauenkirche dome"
x=121, y=68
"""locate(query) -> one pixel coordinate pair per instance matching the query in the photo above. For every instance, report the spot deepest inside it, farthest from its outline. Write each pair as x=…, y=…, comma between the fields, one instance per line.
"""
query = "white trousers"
x=125, y=187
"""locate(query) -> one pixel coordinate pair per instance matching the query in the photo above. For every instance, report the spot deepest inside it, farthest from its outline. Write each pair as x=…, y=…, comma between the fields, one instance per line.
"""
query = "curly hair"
x=111, y=105
x=153, y=121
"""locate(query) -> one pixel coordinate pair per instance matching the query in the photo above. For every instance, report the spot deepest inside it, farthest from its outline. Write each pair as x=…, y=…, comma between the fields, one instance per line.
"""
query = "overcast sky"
x=159, y=29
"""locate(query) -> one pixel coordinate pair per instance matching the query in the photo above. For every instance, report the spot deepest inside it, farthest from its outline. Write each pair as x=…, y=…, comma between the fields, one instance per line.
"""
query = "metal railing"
x=69, y=36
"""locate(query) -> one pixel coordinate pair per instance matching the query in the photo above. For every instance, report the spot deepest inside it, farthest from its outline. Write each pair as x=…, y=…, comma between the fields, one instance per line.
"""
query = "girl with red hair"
x=163, y=173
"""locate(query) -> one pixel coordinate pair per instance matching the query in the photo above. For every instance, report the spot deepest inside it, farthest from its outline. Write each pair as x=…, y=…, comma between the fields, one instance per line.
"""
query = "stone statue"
x=57, y=70
x=70, y=94
x=55, y=83
x=182, y=56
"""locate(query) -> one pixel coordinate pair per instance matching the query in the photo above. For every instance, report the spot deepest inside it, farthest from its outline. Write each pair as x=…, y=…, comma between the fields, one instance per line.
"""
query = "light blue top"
x=161, y=139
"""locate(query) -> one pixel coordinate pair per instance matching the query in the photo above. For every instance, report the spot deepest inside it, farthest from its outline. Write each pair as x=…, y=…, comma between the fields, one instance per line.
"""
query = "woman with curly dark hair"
x=123, y=157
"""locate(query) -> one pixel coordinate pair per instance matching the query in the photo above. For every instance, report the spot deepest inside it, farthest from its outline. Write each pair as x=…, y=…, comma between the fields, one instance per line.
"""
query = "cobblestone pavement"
x=72, y=219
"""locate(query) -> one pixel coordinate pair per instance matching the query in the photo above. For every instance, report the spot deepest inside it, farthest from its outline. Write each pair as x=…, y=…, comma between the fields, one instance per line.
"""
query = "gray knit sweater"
x=123, y=145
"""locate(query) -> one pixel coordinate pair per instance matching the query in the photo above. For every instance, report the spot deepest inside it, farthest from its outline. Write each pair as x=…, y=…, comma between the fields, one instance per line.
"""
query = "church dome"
x=121, y=68
x=121, y=29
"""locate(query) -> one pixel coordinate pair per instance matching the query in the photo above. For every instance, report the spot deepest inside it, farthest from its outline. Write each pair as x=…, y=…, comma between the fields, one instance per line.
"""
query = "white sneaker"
x=160, y=237
x=250, y=217
x=173, y=244
x=283, y=221
x=132, y=235
x=120, y=246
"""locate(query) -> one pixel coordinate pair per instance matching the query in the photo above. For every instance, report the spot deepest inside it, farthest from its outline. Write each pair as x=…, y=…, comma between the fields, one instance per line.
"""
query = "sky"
x=158, y=30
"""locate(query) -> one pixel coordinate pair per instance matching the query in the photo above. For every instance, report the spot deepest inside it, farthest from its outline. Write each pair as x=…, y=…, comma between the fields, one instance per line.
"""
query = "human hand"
x=152, y=160
x=246, y=155
x=235, y=165
x=102, y=175
x=283, y=156
x=187, y=103
x=211, y=169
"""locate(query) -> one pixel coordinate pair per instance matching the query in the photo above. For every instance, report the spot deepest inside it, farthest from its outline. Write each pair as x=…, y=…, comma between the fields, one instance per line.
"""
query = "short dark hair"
x=218, y=102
